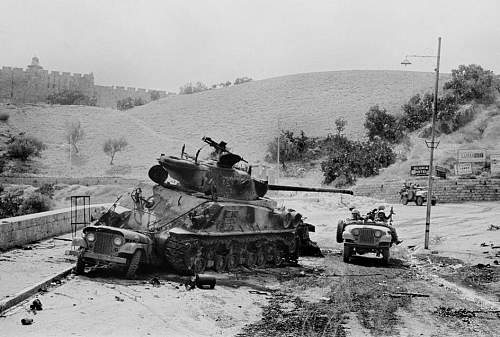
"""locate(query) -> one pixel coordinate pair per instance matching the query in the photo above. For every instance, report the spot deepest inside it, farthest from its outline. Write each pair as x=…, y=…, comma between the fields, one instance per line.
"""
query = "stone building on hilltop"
x=34, y=84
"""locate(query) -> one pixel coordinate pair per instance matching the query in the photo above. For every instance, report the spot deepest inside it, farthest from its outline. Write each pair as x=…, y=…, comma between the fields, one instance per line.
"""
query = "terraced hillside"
x=245, y=116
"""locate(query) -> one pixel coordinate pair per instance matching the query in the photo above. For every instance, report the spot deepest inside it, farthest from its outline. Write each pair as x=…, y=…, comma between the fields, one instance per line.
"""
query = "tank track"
x=193, y=254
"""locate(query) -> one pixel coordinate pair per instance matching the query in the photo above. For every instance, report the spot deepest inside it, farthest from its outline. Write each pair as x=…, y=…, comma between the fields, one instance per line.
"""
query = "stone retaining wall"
x=21, y=230
x=449, y=190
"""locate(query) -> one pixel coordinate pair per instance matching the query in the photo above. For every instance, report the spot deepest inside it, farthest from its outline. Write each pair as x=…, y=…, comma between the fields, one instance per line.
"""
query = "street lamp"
x=432, y=145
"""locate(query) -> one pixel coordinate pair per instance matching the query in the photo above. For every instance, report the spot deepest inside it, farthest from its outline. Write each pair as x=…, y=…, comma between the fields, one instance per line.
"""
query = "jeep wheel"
x=80, y=266
x=419, y=201
x=340, y=230
x=385, y=256
x=404, y=200
x=433, y=202
x=347, y=253
x=133, y=264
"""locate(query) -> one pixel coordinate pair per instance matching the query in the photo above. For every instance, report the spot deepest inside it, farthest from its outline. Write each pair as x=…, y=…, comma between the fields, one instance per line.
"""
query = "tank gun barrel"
x=308, y=189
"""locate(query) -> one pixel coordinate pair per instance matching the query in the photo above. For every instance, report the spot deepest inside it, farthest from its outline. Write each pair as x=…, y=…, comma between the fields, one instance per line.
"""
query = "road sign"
x=471, y=156
x=419, y=170
x=495, y=163
x=464, y=168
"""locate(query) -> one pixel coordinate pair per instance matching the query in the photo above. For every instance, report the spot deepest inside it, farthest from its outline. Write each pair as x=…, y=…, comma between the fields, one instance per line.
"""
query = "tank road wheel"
x=347, y=253
x=80, y=266
x=133, y=264
x=250, y=260
x=385, y=256
x=340, y=230
x=219, y=263
x=199, y=265
x=419, y=201
x=404, y=200
x=277, y=258
x=231, y=262
x=260, y=259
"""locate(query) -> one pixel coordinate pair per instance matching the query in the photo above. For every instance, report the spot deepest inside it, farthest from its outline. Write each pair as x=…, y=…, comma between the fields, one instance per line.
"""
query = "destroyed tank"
x=217, y=216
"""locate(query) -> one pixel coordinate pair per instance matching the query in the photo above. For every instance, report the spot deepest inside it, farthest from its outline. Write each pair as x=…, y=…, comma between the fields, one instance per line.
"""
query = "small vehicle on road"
x=370, y=234
x=415, y=193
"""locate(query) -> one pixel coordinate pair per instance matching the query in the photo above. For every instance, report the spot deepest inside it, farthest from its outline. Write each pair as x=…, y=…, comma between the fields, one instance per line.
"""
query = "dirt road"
x=450, y=290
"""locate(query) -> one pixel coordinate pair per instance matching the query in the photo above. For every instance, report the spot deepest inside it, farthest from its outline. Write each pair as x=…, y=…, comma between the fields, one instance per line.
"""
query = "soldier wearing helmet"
x=355, y=214
x=383, y=218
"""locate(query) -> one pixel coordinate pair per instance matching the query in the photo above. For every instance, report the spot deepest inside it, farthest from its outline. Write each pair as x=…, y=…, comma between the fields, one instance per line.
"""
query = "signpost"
x=495, y=164
x=463, y=168
x=423, y=171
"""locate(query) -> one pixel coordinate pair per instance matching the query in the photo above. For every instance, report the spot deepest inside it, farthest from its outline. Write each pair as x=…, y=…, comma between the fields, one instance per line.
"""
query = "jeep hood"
x=128, y=234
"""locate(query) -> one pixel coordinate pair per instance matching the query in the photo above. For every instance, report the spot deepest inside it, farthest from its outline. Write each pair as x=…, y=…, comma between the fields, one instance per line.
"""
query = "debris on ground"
x=27, y=321
x=463, y=314
x=493, y=227
x=36, y=305
x=203, y=281
x=119, y=299
x=155, y=282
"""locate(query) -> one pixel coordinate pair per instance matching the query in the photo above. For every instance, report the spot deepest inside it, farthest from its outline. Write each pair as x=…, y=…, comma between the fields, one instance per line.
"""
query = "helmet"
x=355, y=211
x=381, y=207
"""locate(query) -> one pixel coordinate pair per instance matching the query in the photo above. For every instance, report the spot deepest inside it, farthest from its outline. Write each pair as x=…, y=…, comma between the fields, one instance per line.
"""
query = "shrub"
x=125, y=103
x=114, y=145
x=417, y=111
x=23, y=147
x=9, y=205
x=35, y=203
x=241, y=80
x=190, y=88
x=472, y=82
x=340, y=124
x=348, y=159
x=382, y=125
x=4, y=117
x=292, y=148
x=46, y=189
x=71, y=97
x=139, y=101
x=155, y=95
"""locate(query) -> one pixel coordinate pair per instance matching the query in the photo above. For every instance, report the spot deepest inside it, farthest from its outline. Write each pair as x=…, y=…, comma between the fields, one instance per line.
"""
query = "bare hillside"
x=245, y=116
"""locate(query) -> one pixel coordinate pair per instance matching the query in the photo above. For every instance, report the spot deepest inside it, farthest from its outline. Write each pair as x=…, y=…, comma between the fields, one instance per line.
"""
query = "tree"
x=125, y=103
x=190, y=88
x=241, y=80
x=381, y=124
x=155, y=95
x=74, y=134
x=139, y=101
x=23, y=147
x=114, y=145
x=71, y=97
x=472, y=82
x=340, y=124
x=417, y=111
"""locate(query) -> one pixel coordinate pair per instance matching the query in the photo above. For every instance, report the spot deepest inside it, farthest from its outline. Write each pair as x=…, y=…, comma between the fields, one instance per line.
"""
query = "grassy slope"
x=244, y=116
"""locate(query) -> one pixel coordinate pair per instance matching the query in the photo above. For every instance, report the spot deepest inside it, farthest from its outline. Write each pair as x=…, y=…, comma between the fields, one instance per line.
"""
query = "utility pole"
x=278, y=155
x=432, y=146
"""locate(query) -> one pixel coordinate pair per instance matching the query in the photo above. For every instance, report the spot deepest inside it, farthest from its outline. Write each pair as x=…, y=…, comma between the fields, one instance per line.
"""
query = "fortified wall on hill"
x=34, y=84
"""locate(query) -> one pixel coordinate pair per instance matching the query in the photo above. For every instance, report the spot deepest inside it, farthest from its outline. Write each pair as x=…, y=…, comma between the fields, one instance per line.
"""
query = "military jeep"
x=412, y=193
x=114, y=238
x=370, y=234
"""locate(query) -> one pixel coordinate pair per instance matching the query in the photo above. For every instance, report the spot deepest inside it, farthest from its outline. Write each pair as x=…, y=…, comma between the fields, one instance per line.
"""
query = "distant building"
x=34, y=84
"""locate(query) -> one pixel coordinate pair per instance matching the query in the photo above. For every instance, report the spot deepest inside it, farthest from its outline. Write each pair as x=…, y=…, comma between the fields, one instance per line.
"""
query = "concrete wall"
x=447, y=190
x=85, y=181
x=25, y=229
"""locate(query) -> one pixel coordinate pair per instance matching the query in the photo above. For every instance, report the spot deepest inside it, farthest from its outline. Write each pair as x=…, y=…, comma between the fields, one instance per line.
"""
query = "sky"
x=163, y=44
